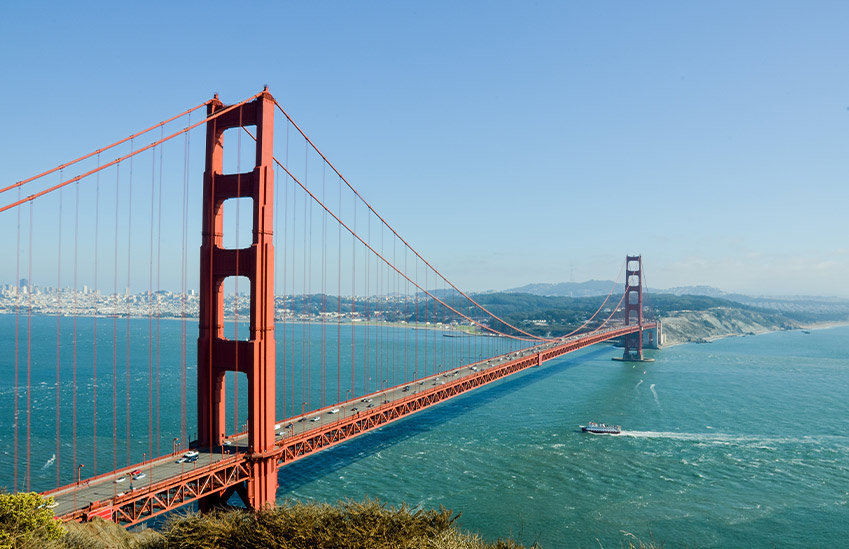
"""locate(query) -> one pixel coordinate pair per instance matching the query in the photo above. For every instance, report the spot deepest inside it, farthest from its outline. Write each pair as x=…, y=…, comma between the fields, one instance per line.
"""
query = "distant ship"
x=601, y=428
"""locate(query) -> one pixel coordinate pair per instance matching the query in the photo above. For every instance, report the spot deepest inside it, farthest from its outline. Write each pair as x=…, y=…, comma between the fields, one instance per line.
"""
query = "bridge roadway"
x=168, y=484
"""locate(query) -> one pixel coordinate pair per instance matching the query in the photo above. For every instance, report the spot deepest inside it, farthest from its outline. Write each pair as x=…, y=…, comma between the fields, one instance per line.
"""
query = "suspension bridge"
x=315, y=321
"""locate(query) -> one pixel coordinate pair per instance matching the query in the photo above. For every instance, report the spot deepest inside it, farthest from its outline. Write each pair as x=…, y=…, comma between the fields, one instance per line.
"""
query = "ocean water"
x=743, y=442
x=119, y=414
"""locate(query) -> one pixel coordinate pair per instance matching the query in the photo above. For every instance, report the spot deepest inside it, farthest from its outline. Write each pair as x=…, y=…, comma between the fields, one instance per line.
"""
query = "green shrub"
x=26, y=521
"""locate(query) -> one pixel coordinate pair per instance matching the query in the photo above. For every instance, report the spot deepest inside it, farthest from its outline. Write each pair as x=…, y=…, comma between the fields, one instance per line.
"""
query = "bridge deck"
x=167, y=484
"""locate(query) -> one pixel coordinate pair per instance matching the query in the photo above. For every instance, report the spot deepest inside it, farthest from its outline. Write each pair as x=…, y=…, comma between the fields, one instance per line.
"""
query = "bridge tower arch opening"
x=255, y=356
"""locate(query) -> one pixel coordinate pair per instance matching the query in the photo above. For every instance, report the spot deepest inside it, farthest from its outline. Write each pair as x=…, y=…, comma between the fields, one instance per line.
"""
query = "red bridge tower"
x=217, y=354
x=633, y=304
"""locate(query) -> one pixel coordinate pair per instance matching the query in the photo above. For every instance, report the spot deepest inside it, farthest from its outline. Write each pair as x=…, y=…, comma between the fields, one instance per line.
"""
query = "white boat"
x=601, y=428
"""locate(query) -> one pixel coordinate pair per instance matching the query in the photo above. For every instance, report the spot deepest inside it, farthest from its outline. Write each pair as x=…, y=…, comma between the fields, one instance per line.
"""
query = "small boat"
x=601, y=428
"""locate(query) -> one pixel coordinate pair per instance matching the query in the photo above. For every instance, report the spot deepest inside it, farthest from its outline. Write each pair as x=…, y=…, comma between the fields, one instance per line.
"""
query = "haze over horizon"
x=510, y=144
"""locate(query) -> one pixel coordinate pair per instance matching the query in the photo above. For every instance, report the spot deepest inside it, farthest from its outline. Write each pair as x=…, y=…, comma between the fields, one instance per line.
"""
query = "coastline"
x=808, y=326
x=825, y=325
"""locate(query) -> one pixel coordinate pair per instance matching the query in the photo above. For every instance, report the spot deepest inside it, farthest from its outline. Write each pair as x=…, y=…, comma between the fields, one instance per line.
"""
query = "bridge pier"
x=652, y=336
x=218, y=355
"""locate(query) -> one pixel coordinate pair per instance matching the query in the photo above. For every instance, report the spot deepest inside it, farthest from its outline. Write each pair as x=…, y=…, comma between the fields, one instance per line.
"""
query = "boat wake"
x=728, y=439
x=656, y=401
x=50, y=462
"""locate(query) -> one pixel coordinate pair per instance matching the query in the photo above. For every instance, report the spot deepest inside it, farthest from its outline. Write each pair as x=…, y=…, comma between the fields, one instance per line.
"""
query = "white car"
x=316, y=418
x=191, y=454
x=334, y=411
x=120, y=479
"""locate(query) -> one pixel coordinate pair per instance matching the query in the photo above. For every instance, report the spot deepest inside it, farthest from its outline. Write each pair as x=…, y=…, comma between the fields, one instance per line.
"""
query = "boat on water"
x=601, y=428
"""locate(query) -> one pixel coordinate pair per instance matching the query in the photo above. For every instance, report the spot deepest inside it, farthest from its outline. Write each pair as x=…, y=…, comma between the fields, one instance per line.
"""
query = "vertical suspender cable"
x=366, y=265
x=323, y=289
x=76, y=313
x=284, y=251
x=308, y=283
x=115, y=332
x=305, y=373
x=276, y=241
x=426, y=330
x=127, y=296
x=184, y=430
x=17, y=335
x=58, y=325
x=416, y=335
x=353, y=298
x=339, y=304
x=294, y=306
x=278, y=250
x=29, y=348
x=210, y=297
x=150, y=307
x=236, y=285
x=308, y=286
x=444, y=320
x=158, y=293
x=183, y=291
x=406, y=319
x=96, y=291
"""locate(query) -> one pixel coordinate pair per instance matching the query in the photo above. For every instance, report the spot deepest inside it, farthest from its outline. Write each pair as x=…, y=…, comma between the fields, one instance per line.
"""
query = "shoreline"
x=809, y=326
x=245, y=320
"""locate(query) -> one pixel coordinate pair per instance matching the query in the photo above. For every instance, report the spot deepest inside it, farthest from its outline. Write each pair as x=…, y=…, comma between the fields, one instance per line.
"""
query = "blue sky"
x=509, y=142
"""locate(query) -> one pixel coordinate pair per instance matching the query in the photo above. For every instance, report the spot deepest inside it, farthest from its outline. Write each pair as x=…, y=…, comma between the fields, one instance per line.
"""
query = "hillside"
x=702, y=326
x=685, y=317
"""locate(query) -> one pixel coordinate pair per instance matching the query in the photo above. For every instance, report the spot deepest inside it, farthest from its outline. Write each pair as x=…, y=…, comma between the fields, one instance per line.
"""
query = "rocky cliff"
x=716, y=322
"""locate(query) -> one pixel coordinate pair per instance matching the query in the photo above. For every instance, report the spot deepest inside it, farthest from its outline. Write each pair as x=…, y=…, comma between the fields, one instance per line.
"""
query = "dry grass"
x=348, y=525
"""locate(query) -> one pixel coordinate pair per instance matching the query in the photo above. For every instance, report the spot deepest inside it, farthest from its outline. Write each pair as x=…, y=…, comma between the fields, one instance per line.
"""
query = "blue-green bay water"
x=126, y=386
x=743, y=442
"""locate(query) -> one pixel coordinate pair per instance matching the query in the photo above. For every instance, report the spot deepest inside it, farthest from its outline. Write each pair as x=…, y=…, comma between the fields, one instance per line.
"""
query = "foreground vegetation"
x=28, y=524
